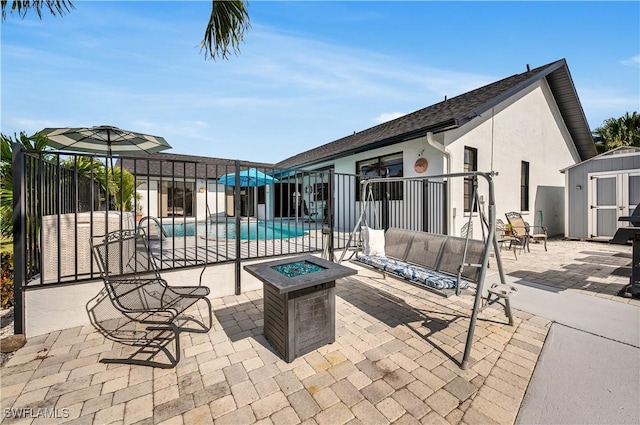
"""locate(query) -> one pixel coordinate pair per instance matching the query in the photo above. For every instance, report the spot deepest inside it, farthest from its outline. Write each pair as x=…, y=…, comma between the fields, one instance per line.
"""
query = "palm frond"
x=225, y=31
x=22, y=7
x=615, y=132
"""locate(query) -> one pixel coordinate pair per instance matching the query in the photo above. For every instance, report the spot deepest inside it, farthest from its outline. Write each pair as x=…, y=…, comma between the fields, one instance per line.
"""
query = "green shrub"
x=6, y=279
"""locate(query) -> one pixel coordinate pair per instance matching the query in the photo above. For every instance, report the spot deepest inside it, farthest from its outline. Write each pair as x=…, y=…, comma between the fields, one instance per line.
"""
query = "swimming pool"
x=254, y=230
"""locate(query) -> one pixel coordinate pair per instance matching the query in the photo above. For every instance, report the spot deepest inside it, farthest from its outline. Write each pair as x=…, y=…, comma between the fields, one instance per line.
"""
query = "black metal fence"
x=212, y=210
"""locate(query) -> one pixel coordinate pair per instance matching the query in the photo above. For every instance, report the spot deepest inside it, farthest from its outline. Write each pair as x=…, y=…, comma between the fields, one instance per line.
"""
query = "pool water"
x=298, y=268
x=255, y=230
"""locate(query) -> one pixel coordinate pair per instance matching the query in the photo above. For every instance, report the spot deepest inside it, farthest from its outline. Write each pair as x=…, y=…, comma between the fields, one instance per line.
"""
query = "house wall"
x=526, y=127
x=148, y=198
x=578, y=199
x=213, y=196
x=346, y=218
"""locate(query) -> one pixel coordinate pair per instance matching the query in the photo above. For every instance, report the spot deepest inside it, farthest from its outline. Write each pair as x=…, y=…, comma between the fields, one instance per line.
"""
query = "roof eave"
x=585, y=150
x=437, y=128
x=512, y=91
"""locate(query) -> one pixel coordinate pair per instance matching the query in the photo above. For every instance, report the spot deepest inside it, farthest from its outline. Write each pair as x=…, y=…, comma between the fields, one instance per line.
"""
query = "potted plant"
x=508, y=229
x=139, y=209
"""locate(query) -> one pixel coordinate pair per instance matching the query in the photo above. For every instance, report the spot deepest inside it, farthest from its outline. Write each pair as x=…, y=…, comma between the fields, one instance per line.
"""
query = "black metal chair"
x=144, y=310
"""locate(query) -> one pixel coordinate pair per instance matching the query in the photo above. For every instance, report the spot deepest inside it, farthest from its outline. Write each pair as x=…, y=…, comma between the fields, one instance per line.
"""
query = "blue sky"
x=308, y=72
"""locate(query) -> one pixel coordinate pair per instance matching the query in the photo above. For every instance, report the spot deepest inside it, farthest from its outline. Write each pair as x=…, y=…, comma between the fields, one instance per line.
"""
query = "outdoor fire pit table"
x=299, y=302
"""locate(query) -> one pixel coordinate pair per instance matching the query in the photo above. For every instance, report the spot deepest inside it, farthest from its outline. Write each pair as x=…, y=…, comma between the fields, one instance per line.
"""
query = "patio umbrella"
x=104, y=139
x=248, y=178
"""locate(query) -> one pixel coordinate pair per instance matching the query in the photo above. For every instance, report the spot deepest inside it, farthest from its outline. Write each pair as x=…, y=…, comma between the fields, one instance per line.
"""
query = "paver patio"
x=591, y=268
x=394, y=360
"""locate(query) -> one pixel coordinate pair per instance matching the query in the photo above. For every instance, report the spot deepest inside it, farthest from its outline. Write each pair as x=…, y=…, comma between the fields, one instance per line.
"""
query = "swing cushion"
x=383, y=263
x=432, y=278
x=415, y=273
x=427, y=259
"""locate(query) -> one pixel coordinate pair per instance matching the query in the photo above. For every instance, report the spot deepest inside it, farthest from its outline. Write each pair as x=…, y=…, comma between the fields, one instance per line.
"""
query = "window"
x=177, y=199
x=382, y=166
x=321, y=191
x=524, y=186
x=470, y=164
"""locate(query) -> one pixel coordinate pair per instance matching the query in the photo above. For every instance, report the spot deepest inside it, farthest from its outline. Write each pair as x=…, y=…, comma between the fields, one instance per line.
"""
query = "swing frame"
x=486, y=223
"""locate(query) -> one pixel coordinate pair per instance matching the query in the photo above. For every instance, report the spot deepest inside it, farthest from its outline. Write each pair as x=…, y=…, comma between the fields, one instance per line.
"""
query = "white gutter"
x=447, y=155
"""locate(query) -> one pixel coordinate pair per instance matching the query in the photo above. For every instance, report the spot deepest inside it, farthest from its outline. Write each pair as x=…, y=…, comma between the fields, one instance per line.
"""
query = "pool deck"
x=395, y=359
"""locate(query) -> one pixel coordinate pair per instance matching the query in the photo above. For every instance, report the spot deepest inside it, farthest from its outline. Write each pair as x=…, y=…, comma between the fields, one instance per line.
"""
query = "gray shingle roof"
x=456, y=112
x=189, y=166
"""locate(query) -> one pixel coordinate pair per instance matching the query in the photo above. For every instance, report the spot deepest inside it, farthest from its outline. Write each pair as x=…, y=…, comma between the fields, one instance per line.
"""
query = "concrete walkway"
x=582, y=378
x=589, y=368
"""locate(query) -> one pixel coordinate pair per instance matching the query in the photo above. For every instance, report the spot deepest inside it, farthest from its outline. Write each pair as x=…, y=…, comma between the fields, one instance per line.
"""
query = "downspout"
x=447, y=154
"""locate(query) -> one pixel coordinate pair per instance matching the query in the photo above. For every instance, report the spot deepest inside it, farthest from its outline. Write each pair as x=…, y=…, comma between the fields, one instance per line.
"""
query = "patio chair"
x=143, y=300
x=503, y=238
x=148, y=341
x=523, y=231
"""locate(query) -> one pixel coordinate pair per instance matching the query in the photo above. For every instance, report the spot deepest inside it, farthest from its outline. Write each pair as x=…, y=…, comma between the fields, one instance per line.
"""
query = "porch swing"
x=445, y=265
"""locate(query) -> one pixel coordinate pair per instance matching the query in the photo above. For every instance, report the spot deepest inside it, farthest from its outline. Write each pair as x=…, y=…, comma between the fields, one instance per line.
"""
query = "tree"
x=120, y=184
x=22, y=7
x=224, y=32
x=616, y=132
x=37, y=143
x=227, y=24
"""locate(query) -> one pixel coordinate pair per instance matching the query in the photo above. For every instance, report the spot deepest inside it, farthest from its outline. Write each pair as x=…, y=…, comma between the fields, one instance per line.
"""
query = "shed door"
x=612, y=196
x=604, y=205
x=634, y=192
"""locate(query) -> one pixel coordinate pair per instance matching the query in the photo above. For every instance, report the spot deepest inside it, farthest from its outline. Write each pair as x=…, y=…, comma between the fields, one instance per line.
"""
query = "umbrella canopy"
x=248, y=178
x=104, y=139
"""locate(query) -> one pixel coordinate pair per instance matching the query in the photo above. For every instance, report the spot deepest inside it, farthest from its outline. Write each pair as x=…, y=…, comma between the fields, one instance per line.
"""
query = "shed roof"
x=459, y=110
x=620, y=150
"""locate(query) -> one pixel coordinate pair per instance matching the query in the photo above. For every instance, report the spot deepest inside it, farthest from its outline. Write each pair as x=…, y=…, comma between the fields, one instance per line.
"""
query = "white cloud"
x=388, y=116
x=275, y=61
x=284, y=91
x=632, y=61
x=32, y=126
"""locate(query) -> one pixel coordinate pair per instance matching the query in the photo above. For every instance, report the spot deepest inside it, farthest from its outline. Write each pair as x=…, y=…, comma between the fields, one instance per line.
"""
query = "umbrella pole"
x=109, y=153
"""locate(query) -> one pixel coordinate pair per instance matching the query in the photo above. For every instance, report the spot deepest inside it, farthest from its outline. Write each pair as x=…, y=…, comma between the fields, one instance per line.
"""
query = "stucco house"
x=526, y=128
